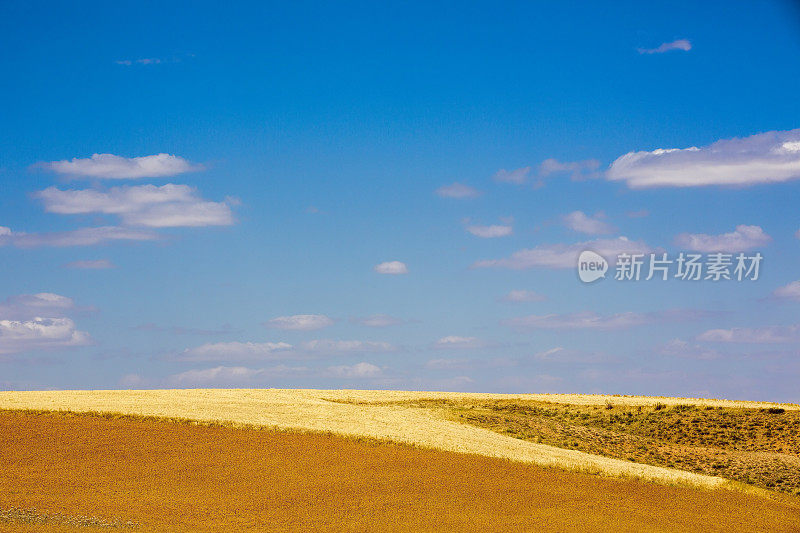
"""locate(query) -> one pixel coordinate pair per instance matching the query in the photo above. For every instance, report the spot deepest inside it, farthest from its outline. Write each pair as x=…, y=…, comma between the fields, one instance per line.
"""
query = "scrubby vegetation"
x=760, y=447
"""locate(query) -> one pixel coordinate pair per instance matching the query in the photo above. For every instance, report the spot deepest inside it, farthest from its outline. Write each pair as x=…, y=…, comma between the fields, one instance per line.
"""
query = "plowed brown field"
x=71, y=473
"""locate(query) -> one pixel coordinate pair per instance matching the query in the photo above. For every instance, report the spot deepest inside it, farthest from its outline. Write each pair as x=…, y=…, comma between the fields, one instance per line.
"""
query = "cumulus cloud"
x=78, y=237
x=678, y=44
x=742, y=239
x=769, y=157
x=459, y=343
x=489, y=232
x=592, y=320
x=788, y=292
x=517, y=177
x=577, y=170
x=110, y=166
x=379, y=321
x=91, y=264
x=564, y=255
x=391, y=267
x=759, y=335
x=300, y=322
x=153, y=206
x=523, y=296
x=583, y=223
x=17, y=336
x=458, y=190
x=358, y=370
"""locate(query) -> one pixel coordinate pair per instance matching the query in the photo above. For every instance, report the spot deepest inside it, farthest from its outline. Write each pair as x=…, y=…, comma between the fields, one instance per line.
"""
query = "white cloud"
x=578, y=170
x=18, y=336
x=154, y=206
x=789, y=292
x=759, y=335
x=517, y=177
x=459, y=343
x=457, y=190
x=769, y=157
x=333, y=347
x=300, y=322
x=239, y=351
x=683, y=349
x=523, y=296
x=489, y=232
x=78, y=237
x=379, y=321
x=182, y=215
x=234, y=351
x=679, y=44
x=232, y=374
x=564, y=255
x=592, y=320
x=742, y=239
x=91, y=264
x=797, y=235
x=582, y=223
x=109, y=166
x=358, y=370
x=582, y=320
x=391, y=267
x=27, y=306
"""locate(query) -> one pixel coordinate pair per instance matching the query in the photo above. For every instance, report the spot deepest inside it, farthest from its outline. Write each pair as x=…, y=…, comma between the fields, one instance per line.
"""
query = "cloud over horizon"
x=38, y=322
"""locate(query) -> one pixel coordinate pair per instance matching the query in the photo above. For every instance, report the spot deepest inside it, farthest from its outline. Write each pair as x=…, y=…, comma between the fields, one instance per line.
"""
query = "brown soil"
x=71, y=473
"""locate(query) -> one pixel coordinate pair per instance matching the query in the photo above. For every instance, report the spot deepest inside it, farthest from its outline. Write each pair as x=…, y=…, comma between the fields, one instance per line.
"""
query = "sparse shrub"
x=776, y=410
x=659, y=406
x=609, y=405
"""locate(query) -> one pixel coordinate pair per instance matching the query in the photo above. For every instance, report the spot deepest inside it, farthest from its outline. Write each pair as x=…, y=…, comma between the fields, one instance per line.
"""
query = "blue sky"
x=306, y=145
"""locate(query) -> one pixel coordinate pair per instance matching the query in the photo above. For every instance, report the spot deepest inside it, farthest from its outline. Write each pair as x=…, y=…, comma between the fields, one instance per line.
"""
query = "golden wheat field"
x=69, y=472
x=347, y=460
